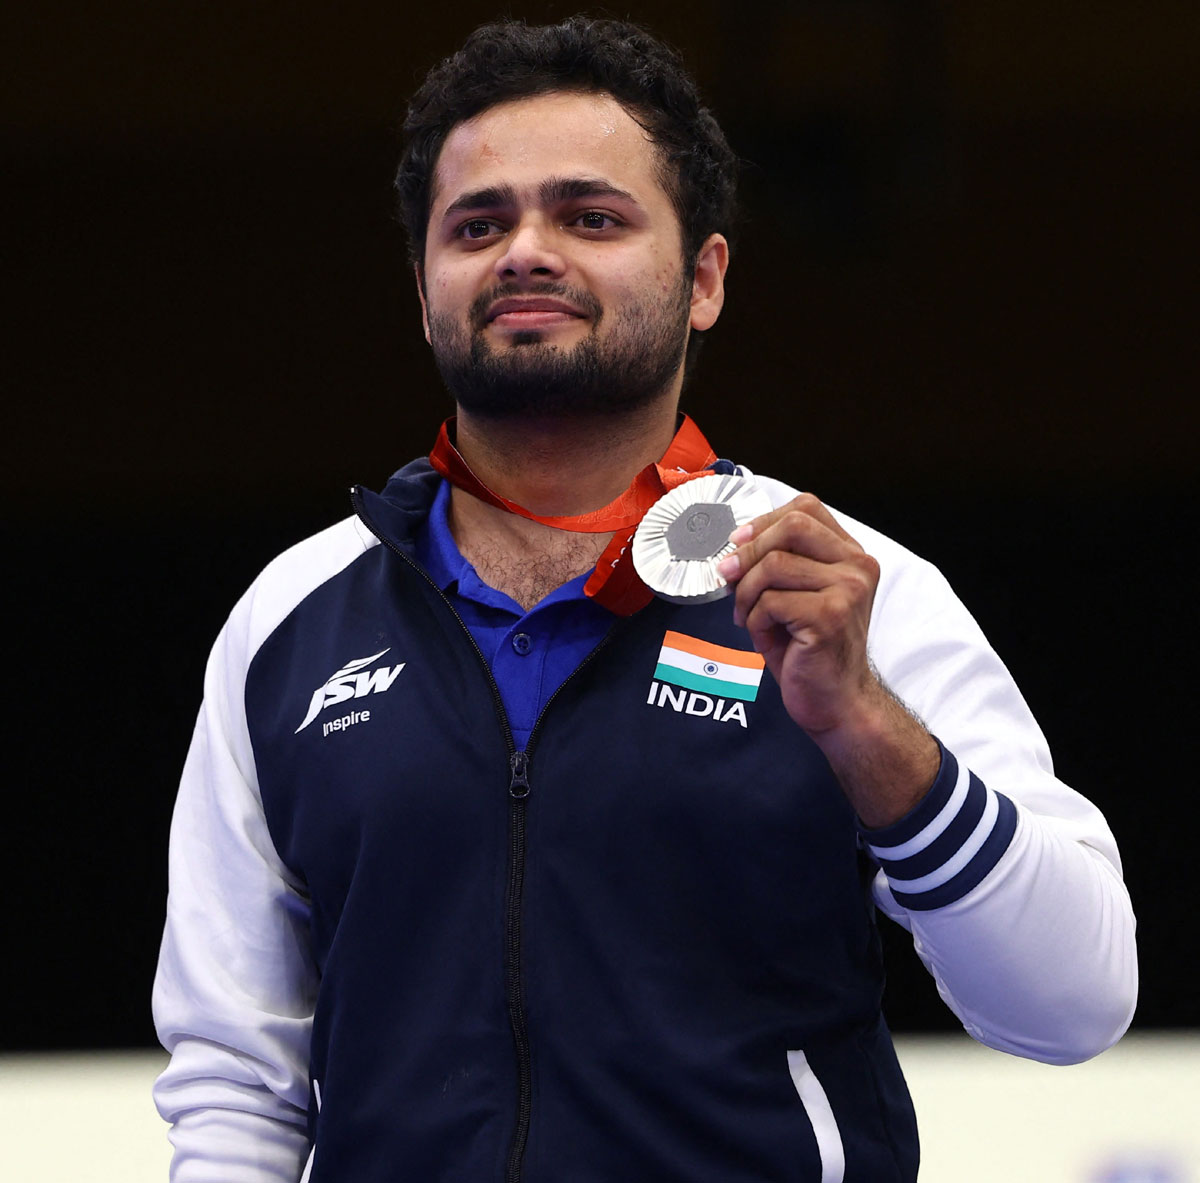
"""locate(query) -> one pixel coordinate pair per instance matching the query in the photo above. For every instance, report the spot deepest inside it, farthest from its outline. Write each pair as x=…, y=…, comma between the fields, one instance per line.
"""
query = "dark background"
x=963, y=309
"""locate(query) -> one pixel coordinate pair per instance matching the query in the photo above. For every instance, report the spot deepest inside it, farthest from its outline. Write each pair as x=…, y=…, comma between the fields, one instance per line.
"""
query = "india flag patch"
x=711, y=669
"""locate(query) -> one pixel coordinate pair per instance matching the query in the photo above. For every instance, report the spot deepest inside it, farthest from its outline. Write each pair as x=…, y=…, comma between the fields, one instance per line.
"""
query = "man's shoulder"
x=292, y=576
x=308, y=563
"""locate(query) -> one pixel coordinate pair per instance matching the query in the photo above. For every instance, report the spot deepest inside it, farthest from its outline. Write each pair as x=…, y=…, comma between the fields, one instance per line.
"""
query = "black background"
x=963, y=308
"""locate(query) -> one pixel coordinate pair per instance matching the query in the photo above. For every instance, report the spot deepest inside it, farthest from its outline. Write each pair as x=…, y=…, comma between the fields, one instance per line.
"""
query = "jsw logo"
x=348, y=683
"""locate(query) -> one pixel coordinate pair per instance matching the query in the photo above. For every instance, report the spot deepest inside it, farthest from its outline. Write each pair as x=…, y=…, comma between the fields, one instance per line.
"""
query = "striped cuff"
x=944, y=847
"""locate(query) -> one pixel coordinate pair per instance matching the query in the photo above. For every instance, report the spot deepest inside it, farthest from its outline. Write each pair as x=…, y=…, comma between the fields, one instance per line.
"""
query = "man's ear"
x=708, y=283
x=420, y=277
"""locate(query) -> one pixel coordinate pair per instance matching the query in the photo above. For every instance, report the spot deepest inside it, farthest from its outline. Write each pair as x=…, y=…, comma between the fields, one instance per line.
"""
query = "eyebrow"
x=555, y=189
x=551, y=191
x=489, y=198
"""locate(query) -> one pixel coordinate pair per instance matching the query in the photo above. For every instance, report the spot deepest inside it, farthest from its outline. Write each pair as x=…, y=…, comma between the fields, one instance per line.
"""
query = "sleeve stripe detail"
x=958, y=831
x=959, y=859
x=948, y=843
x=974, y=872
x=934, y=829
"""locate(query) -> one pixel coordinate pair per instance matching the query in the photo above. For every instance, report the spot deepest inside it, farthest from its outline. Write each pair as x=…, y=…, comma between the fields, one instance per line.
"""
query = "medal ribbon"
x=614, y=583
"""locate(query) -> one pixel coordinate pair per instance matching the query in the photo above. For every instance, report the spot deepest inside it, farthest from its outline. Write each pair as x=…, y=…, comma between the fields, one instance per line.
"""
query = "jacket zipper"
x=518, y=791
x=518, y=788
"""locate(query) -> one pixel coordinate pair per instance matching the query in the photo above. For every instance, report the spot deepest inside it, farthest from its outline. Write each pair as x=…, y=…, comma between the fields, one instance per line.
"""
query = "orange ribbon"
x=614, y=583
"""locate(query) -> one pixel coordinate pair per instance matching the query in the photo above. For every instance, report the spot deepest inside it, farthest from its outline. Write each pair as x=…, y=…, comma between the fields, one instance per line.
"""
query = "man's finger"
x=781, y=571
x=788, y=529
x=804, y=503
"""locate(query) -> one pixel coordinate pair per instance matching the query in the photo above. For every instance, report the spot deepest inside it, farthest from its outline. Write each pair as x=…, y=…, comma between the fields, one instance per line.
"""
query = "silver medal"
x=685, y=534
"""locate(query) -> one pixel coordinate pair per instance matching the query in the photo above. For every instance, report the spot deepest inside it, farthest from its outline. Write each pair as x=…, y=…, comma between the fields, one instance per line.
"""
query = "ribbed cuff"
x=948, y=843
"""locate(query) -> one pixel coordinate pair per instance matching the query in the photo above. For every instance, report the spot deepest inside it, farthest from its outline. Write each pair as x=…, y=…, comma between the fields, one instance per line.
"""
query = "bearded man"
x=490, y=865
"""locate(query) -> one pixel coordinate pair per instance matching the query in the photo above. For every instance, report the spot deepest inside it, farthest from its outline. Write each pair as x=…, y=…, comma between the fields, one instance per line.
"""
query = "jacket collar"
x=396, y=513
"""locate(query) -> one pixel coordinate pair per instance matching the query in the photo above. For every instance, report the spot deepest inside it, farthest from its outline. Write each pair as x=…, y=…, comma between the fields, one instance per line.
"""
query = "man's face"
x=553, y=270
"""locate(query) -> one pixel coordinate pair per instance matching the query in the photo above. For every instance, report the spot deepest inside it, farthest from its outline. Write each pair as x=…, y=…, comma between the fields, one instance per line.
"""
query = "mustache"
x=583, y=300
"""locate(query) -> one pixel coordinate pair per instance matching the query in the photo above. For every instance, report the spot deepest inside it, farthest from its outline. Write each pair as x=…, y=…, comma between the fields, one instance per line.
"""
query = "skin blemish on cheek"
x=667, y=280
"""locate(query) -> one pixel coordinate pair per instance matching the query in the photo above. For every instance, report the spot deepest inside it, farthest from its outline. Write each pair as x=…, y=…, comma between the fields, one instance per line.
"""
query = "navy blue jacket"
x=644, y=948
x=584, y=962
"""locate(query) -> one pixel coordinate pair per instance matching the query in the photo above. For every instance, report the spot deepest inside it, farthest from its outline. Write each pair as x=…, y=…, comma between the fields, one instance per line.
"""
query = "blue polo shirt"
x=530, y=653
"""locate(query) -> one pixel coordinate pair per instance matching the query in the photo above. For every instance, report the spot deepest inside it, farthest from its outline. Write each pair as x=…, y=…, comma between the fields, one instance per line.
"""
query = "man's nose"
x=530, y=251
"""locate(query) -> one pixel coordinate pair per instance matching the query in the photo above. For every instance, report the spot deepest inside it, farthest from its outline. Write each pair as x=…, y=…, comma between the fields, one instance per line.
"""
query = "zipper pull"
x=518, y=785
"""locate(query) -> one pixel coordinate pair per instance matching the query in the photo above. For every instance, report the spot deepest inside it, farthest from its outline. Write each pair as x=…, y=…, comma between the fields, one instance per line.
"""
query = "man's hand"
x=804, y=592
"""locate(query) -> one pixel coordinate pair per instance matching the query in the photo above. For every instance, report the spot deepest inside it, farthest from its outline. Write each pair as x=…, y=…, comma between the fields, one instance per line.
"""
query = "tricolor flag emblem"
x=710, y=669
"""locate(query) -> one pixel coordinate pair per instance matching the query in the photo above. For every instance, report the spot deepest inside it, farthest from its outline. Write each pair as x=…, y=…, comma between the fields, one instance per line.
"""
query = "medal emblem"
x=685, y=534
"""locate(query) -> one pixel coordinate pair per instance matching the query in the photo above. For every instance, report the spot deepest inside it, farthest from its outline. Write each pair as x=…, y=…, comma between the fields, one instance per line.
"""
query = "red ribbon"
x=614, y=583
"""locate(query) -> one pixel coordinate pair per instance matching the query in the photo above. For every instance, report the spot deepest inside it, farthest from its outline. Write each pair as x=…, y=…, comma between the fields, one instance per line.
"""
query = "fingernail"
x=742, y=534
x=728, y=568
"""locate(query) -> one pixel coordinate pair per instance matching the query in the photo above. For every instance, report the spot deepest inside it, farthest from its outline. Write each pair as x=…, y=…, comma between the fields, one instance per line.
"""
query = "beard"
x=627, y=368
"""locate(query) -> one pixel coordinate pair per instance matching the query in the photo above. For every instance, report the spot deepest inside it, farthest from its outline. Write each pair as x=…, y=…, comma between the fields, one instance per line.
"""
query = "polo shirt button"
x=522, y=643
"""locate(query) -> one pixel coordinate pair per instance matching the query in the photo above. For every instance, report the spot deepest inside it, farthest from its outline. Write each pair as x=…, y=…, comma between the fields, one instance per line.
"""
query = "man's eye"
x=595, y=220
x=476, y=228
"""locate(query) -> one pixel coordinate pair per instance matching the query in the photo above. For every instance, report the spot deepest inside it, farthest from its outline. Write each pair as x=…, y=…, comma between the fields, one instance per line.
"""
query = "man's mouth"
x=532, y=312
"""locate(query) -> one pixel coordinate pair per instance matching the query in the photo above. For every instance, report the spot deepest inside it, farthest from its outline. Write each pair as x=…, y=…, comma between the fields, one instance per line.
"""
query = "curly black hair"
x=509, y=59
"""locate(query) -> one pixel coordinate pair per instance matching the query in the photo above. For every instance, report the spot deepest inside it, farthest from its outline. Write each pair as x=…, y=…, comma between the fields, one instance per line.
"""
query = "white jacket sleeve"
x=1009, y=881
x=235, y=990
x=236, y=984
x=1038, y=957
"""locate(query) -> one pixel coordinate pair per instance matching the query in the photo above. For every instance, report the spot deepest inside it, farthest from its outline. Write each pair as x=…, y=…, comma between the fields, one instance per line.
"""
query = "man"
x=471, y=879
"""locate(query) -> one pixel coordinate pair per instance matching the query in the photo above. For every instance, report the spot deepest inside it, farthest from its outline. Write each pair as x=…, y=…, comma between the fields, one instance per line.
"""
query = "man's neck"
x=553, y=470
x=557, y=469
